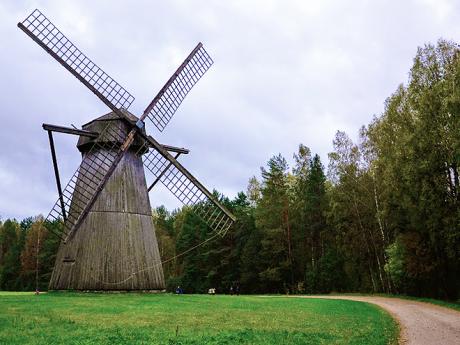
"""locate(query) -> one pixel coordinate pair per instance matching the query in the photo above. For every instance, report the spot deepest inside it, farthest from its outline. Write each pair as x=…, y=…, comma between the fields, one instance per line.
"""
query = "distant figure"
x=231, y=290
x=212, y=291
x=37, y=292
x=237, y=289
x=179, y=290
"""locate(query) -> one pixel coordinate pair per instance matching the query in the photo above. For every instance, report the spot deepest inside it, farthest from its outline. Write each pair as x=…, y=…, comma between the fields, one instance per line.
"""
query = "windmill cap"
x=113, y=116
x=116, y=124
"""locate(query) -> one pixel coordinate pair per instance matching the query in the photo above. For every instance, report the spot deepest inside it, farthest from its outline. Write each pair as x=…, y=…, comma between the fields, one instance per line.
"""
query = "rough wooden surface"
x=115, y=248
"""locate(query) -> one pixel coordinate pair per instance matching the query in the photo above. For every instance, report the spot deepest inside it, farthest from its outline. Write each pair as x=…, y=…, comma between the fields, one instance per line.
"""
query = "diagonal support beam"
x=56, y=174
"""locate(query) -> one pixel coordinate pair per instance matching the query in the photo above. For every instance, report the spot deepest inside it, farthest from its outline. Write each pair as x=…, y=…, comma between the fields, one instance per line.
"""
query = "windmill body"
x=116, y=242
x=108, y=238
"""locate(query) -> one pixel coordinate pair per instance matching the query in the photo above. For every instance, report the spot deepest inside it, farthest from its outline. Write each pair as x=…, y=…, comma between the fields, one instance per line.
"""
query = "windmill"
x=107, y=241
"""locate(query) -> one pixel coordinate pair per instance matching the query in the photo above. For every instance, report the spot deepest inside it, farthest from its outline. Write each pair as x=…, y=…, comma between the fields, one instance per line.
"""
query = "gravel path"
x=421, y=323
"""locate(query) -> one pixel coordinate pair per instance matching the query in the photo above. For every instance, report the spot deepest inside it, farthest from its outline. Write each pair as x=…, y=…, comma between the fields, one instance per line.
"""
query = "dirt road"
x=421, y=323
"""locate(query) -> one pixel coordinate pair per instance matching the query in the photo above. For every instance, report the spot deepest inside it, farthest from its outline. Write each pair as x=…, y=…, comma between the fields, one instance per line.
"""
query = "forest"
x=382, y=217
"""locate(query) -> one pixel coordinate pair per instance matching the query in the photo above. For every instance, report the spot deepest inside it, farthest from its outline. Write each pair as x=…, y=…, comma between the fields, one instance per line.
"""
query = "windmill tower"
x=108, y=239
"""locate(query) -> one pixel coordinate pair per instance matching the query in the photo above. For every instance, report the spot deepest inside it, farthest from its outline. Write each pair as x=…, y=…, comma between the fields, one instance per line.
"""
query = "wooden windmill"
x=108, y=239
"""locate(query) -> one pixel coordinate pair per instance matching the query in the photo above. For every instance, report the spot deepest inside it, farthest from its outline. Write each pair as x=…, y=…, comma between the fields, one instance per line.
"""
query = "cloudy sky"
x=285, y=72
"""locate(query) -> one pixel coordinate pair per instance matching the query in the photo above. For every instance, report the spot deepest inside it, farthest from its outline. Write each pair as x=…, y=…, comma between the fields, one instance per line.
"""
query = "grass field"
x=74, y=318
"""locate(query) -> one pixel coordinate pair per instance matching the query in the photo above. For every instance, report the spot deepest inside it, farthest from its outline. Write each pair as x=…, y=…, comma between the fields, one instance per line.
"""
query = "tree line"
x=384, y=218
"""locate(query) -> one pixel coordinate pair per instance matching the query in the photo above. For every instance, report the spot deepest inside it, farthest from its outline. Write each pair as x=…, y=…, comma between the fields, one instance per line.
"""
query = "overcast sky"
x=285, y=72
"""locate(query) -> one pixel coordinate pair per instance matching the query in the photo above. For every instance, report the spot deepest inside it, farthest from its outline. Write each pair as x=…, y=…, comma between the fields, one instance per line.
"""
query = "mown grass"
x=77, y=318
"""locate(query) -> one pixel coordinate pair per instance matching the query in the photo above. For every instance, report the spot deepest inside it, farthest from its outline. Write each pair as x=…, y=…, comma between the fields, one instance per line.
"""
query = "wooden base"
x=115, y=248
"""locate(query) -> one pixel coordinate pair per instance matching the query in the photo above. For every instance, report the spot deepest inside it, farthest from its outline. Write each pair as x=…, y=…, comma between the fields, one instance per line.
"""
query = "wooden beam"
x=68, y=130
x=175, y=149
x=56, y=174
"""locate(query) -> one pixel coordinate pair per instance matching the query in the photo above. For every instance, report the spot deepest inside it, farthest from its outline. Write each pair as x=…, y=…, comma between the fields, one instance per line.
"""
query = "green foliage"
x=10, y=251
x=70, y=318
x=416, y=141
x=327, y=275
x=396, y=265
x=19, y=267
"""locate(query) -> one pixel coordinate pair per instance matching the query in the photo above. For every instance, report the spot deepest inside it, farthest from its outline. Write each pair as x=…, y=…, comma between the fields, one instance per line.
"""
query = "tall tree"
x=301, y=231
x=354, y=216
x=273, y=219
x=417, y=141
x=316, y=212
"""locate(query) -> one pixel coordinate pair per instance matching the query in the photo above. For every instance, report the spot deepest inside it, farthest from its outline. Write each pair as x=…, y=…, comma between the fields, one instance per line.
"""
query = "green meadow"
x=84, y=318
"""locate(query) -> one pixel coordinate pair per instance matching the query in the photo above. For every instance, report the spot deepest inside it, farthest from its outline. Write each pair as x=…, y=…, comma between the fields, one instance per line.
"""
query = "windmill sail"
x=186, y=188
x=164, y=105
x=47, y=36
x=86, y=182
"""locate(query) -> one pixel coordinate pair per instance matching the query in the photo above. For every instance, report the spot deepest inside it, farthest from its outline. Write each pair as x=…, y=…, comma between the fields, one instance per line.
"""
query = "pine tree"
x=273, y=220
